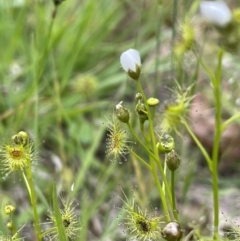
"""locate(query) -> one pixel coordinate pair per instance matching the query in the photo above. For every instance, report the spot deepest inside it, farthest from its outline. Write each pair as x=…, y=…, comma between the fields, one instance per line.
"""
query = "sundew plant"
x=119, y=120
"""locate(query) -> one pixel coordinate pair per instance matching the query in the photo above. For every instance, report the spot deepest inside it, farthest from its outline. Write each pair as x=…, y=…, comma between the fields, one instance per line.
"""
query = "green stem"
x=140, y=159
x=229, y=121
x=154, y=146
x=143, y=132
x=165, y=171
x=29, y=183
x=160, y=190
x=48, y=231
x=164, y=181
x=199, y=144
x=175, y=211
x=217, y=137
x=140, y=142
x=154, y=158
x=13, y=229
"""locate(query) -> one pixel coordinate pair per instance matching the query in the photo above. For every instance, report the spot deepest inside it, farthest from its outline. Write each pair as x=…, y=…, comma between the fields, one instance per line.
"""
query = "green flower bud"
x=138, y=96
x=10, y=225
x=122, y=113
x=166, y=144
x=173, y=161
x=152, y=101
x=141, y=111
x=9, y=209
x=21, y=138
x=172, y=232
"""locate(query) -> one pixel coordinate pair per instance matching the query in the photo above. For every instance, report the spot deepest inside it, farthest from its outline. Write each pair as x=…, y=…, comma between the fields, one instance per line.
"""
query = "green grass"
x=59, y=81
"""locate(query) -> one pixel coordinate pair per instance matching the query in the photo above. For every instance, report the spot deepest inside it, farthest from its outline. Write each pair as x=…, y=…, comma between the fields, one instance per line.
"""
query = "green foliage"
x=60, y=78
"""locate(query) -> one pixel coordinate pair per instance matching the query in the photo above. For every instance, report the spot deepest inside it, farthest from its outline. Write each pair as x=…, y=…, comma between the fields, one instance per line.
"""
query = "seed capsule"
x=172, y=232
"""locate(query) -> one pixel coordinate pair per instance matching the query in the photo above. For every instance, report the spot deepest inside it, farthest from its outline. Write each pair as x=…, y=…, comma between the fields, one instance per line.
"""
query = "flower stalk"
x=28, y=178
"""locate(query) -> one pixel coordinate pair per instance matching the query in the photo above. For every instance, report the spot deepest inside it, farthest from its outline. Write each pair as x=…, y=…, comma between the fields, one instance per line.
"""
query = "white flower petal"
x=129, y=59
x=124, y=60
x=216, y=12
x=136, y=56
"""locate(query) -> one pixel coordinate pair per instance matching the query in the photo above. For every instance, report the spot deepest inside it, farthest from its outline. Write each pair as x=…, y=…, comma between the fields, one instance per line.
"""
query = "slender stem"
x=154, y=146
x=175, y=211
x=160, y=190
x=165, y=171
x=48, y=231
x=154, y=158
x=217, y=137
x=13, y=229
x=140, y=159
x=199, y=144
x=143, y=132
x=165, y=181
x=153, y=171
x=230, y=120
x=140, y=142
x=29, y=183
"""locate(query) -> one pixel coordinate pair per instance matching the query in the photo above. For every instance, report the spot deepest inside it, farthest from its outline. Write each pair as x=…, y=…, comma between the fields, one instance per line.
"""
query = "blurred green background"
x=60, y=79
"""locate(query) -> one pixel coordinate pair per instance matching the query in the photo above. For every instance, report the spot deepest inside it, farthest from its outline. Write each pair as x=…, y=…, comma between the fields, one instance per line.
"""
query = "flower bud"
x=216, y=12
x=172, y=232
x=166, y=144
x=21, y=138
x=9, y=209
x=152, y=101
x=131, y=63
x=138, y=96
x=122, y=113
x=141, y=111
x=10, y=225
x=173, y=161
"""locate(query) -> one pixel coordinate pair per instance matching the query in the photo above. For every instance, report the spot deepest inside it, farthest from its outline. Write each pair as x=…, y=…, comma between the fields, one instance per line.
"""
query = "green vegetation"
x=101, y=147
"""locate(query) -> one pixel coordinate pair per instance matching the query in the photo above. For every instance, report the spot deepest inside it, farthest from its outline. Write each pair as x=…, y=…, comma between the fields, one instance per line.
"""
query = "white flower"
x=216, y=12
x=131, y=63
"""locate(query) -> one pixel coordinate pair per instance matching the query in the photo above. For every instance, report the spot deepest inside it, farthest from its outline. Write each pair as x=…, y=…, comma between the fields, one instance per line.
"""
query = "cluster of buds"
x=166, y=145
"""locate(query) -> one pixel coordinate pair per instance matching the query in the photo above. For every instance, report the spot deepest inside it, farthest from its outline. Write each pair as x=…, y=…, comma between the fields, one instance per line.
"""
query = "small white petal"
x=119, y=105
x=136, y=56
x=126, y=61
x=129, y=59
x=216, y=12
